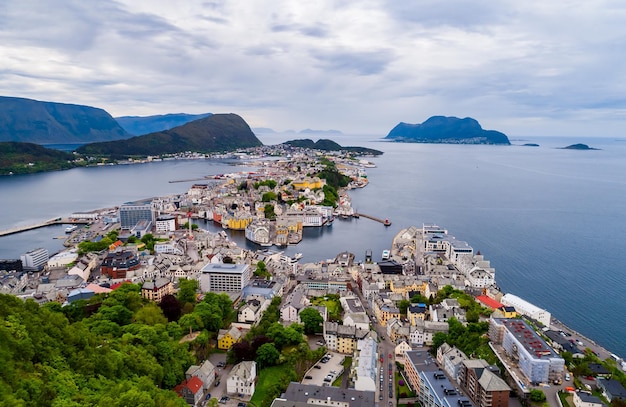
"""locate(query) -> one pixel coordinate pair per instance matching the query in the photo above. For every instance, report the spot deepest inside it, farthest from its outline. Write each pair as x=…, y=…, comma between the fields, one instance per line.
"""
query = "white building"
x=165, y=224
x=62, y=259
x=525, y=308
x=535, y=359
x=223, y=277
x=34, y=260
x=241, y=379
x=364, y=364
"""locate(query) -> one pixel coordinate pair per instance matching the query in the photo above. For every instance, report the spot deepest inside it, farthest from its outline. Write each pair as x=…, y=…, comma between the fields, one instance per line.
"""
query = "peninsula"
x=446, y=130
x=149, y=297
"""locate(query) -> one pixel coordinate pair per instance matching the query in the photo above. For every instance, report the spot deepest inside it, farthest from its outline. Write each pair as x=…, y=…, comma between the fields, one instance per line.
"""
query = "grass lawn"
x=270, y=380
x=332, y=304
x=565, y=399
x=402, y=389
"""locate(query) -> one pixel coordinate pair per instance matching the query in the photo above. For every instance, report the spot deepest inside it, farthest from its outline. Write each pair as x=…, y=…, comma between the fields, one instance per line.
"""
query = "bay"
x=551, y=221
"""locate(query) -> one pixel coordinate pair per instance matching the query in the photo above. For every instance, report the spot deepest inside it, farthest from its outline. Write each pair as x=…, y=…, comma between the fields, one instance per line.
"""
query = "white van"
x=567, y=377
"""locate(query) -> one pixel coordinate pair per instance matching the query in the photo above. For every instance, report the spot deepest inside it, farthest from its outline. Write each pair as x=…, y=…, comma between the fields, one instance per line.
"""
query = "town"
x=423, y=323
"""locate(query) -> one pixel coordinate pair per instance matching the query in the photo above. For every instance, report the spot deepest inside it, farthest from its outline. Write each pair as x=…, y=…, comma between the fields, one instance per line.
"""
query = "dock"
x=385, y=222
x=54, y=221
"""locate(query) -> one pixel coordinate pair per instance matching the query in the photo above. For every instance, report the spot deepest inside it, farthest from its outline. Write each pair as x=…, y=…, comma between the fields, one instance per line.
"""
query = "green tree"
x=268, y=211
x=537, y=396
x=403, y=305
x=187, y=291
x=268, y=196
x=312, y=320
x=267, y=355
x=150, y=314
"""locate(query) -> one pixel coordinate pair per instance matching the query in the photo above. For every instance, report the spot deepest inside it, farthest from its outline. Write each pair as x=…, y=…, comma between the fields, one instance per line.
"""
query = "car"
x=241, y=404
x=208, y=396
x=217, y=383
x=317, y=366
x=567, y=377
x=390, y=356
x=380, y=396
x=221, y=364
x=308, y=377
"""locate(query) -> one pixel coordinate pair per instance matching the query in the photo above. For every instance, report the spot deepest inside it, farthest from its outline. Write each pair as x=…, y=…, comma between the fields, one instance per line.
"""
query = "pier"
x=54, y=221
x=385, y=222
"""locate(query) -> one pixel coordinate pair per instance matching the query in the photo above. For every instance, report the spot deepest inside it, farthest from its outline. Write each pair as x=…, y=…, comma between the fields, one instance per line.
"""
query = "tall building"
x=484, y=387
x=536, y=360
x=133, y=212
x=222, y=277
x=34, y=260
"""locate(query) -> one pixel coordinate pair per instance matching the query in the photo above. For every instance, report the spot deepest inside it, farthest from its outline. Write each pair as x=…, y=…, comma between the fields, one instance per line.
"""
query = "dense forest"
x=112, y=350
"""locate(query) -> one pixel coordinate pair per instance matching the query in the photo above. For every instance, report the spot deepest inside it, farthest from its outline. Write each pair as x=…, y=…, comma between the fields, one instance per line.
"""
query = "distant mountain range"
x=329, y=145
x=449, y=130
x=138, y=125
x=39, y=122
x=215, y=133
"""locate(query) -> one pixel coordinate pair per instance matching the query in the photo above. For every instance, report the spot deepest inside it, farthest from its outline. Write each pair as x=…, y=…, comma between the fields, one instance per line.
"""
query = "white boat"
x=71, y=228
x=386, y=254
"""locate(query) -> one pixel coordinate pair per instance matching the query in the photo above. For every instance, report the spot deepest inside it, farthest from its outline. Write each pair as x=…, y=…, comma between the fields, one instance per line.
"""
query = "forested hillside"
x=117, y=350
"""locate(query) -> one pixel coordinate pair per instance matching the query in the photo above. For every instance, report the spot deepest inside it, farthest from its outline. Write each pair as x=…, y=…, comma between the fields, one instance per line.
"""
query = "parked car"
x=217, y=383
x=241, y=404
x=308, y=377
x=208, y=396
x=221, y=364
x=317, y=366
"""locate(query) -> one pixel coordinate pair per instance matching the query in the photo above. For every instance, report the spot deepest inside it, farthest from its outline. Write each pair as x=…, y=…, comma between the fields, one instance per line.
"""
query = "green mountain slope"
x=219, y=132
x=137, y=125
x=329, y=145
x=26, y=158
x=39, y=122
x=451, y=130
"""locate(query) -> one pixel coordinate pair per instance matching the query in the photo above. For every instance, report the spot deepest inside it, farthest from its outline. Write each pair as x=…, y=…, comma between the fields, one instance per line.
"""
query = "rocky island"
x=446, y=130
x=579, y=146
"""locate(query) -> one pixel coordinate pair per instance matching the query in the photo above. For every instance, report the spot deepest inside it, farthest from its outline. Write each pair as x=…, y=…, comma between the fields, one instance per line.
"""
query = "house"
x=342, y=338
x=241, y=379
x=450, y=357
x=227, y=337
x=296, y=302
x=205, y=372
x=401, y=349
x=155, y=290
x=611, y=389
x=251, y=311
x=190, y=390
x=416, y=312
x=583, y=399
x=598, y=370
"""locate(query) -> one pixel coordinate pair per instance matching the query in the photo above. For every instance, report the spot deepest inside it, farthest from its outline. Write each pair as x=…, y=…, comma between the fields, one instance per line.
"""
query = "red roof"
x=117, y=285
x=194, y=385
x=490, y=302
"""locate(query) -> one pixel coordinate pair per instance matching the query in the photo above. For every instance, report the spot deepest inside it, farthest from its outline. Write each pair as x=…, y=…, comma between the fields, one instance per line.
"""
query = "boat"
x=386, y=254
x=297, y=256
x=329, y=222
x=71, y=228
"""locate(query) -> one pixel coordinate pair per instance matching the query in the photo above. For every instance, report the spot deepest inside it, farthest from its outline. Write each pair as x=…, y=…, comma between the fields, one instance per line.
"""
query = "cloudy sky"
x=532, y=67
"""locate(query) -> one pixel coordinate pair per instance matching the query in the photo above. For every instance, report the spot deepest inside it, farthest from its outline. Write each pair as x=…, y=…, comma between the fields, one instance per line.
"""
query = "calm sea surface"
x=551, y=221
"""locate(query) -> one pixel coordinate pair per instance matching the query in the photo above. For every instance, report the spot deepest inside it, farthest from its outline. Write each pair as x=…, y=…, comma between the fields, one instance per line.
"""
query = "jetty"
x=385, y=222
x=50, y=222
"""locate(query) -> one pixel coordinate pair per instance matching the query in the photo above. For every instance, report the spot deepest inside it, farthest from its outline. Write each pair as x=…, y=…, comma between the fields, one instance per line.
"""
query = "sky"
x=526, y=68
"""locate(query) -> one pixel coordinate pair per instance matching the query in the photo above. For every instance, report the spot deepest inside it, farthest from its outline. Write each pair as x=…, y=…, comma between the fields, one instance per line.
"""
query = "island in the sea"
x=446, y=130
x=578, y=146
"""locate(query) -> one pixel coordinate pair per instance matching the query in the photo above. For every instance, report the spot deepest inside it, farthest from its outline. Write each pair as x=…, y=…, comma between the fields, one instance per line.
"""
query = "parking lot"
x=326, y=370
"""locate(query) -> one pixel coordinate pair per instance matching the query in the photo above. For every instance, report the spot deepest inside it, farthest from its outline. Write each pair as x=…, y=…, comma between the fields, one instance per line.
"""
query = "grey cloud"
x=363, y=63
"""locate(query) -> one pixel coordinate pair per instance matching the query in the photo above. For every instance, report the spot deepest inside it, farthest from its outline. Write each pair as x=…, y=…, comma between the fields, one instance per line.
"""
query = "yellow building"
x=405, y=287
x=238, y=222
x=415, y=313
x=508, y=311
x=228, y=337
x=310, y=183
x=384, y=310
